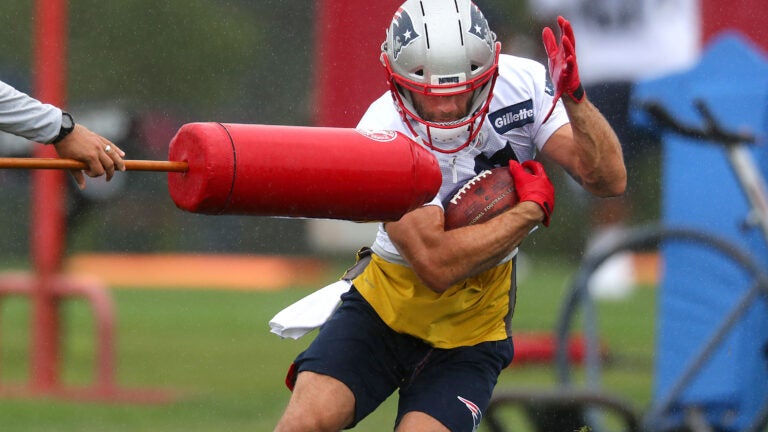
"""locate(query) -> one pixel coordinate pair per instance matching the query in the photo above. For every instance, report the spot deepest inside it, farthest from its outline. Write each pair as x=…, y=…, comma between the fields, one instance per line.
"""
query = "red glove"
x=532, y=184
x=562, y=63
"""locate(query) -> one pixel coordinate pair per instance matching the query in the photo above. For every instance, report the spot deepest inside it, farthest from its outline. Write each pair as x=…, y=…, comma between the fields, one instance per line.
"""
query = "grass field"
x=214, y=350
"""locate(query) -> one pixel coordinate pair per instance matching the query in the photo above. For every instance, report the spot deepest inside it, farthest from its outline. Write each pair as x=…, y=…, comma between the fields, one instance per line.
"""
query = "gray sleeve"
x=27, y=117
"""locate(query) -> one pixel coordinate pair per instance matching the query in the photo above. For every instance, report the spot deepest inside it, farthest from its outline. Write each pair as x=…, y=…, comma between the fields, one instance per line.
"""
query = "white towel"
x=310, y=312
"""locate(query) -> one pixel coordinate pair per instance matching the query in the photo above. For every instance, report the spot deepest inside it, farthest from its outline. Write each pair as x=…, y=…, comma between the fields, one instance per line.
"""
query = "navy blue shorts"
x=452, y=385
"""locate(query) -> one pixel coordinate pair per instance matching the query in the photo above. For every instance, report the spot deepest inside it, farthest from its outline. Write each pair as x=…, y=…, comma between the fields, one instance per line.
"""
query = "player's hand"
x=98, y=153
x=563, y=69
x=532, y=184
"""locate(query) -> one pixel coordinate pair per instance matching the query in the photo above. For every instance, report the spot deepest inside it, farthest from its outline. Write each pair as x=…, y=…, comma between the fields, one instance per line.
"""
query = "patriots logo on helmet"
x=403, y=32
x=479, y=26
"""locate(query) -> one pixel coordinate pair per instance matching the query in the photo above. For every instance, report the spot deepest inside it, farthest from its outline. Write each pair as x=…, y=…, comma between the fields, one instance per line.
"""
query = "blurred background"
x=139, y=70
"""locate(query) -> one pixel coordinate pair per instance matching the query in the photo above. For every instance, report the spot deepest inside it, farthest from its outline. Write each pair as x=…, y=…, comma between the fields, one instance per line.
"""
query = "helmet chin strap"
x=446, y=140
x=429, y=138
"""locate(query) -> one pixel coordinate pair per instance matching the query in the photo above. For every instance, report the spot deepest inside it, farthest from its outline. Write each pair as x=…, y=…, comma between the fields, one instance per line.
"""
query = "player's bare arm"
x=442, y=258
x=589, y=150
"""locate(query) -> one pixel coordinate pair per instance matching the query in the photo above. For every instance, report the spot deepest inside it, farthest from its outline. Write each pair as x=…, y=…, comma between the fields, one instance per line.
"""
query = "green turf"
x=214, y=350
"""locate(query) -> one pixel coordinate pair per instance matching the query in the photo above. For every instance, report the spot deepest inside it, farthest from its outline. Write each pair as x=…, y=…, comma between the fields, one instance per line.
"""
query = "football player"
x=428, y=312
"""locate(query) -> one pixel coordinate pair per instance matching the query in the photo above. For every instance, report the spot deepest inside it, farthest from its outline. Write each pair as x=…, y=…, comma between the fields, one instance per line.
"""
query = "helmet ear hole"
x=420, y=72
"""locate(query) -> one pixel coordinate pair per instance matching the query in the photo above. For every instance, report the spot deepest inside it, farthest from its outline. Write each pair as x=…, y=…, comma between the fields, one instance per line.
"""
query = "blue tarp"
x=700, y=190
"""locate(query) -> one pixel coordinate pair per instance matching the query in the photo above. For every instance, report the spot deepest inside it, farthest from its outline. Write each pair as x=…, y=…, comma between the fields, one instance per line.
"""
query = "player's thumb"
x=535, y=168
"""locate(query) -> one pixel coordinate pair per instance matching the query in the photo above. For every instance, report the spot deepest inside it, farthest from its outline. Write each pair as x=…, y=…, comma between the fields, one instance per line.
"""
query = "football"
x=483, y=197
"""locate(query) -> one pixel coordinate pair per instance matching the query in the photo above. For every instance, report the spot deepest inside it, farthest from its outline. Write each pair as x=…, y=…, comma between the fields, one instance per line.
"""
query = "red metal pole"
x=347, y=46
x=48, y=188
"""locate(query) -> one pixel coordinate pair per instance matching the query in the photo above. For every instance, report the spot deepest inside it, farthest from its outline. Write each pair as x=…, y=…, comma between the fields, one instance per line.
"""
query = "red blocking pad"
x=297, y=171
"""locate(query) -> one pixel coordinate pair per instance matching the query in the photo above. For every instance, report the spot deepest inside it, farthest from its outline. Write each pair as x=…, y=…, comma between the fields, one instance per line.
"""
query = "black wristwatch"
x=67, y=126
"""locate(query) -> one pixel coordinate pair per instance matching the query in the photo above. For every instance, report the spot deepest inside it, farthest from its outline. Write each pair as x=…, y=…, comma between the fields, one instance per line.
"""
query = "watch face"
x=67, y=123
x=67, y=126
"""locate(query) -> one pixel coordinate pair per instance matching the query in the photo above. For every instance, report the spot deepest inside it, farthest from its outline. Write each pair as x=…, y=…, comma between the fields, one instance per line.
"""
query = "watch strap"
x=67, y=126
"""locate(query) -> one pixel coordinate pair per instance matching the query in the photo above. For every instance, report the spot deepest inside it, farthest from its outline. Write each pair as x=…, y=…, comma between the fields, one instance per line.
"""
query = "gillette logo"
x=513, y=116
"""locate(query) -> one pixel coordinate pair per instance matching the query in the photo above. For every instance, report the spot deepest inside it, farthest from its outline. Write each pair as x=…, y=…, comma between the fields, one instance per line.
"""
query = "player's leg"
x=345, y=373
x=419, y=421
x=452, y=388
x=318, y=403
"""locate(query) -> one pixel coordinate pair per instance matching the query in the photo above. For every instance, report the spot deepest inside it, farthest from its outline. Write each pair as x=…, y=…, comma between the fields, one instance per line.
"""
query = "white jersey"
x=512, y=130
x=27, y=117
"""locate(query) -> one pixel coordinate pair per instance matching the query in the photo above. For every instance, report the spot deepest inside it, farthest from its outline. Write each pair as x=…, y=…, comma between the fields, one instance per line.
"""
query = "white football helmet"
x=441, y=47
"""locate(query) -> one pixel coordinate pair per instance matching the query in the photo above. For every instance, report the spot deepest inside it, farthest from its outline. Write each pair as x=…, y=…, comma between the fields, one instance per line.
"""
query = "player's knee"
x=318, y=403
x=419, y=421
x=304, y=419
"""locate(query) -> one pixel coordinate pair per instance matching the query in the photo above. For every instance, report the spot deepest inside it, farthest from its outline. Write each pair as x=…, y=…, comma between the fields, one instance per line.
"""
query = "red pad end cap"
x=206, y=186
